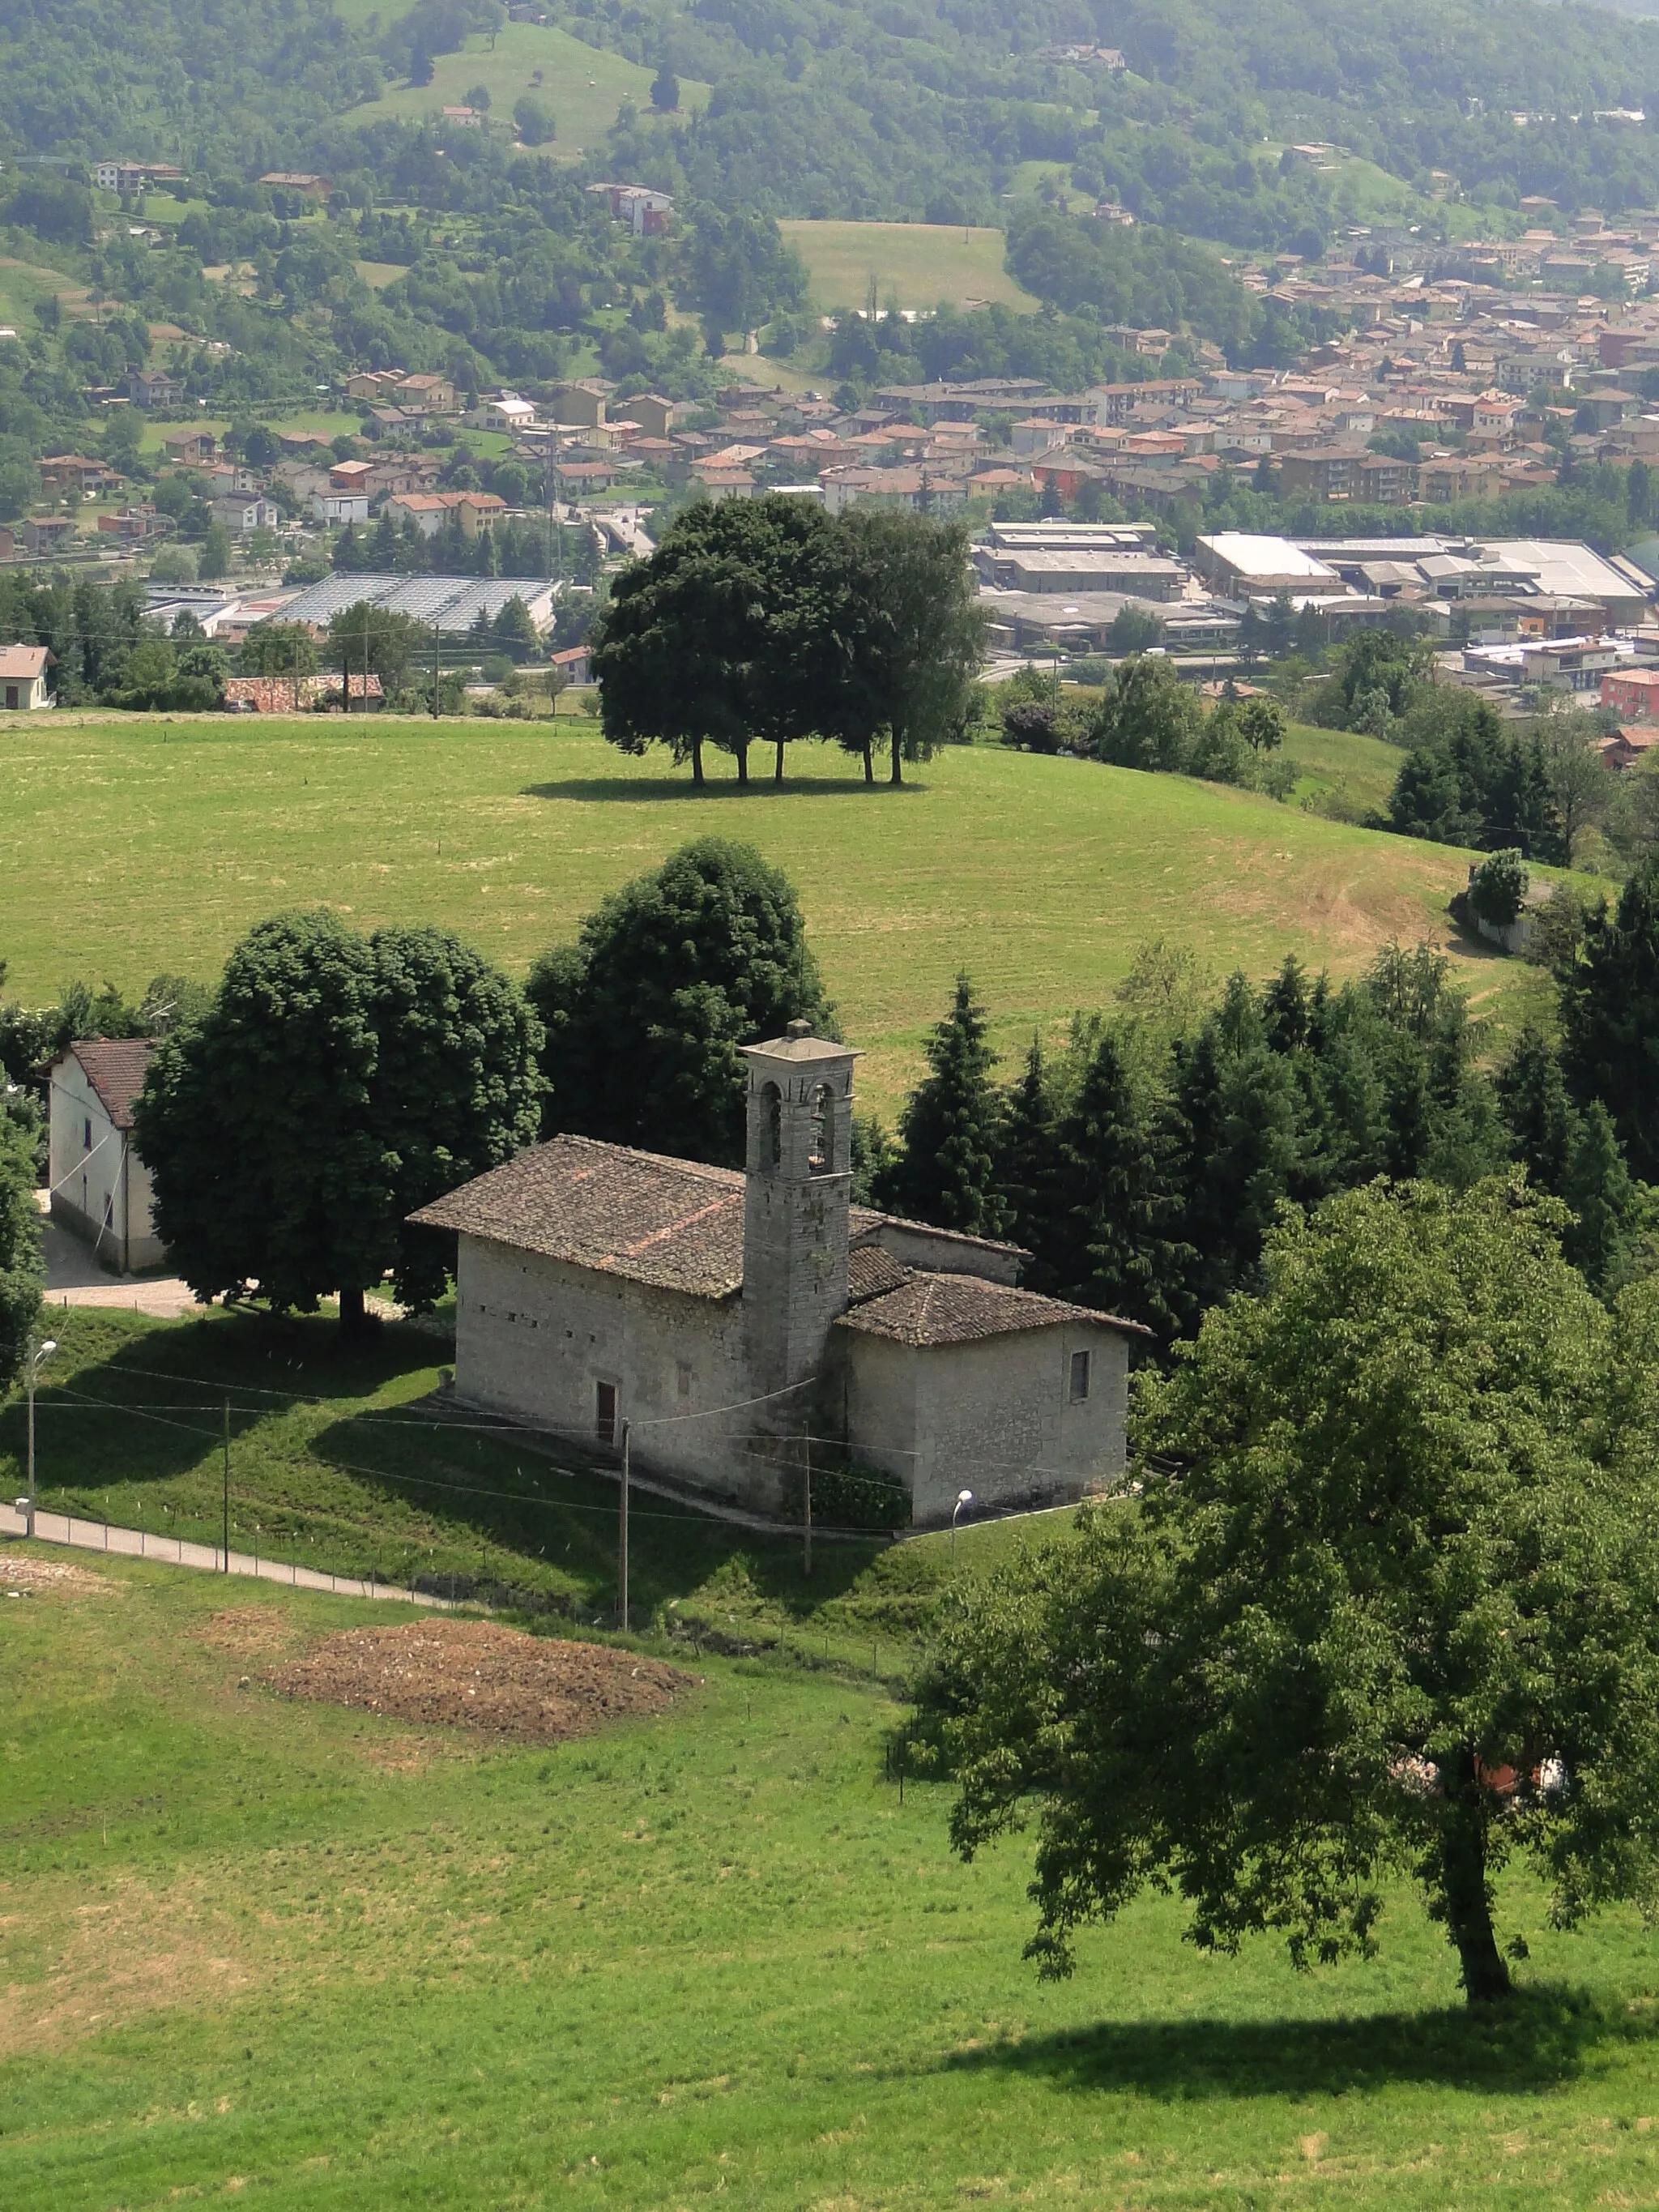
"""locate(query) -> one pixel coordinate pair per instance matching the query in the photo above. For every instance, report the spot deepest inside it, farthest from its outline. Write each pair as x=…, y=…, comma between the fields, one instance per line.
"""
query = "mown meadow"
x=303, y=1956
x=133, y=845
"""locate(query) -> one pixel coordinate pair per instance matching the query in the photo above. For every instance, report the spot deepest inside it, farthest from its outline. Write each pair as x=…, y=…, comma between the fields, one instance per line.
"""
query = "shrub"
x=1500, y=887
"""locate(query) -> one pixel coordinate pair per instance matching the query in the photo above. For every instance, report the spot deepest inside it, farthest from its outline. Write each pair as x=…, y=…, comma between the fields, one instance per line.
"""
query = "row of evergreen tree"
x=1144, y=1164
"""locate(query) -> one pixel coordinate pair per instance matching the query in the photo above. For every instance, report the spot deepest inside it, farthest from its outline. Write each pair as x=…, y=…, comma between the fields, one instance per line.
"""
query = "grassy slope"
x=332, y=1961
x=1344, y=766
x=923, y=263
x=128, y=845
x=585, y=86
x=22, y=287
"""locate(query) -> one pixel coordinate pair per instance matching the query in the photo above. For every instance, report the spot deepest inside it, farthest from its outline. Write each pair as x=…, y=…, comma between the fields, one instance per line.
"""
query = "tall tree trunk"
x=351, y=1313
x=869, y=761
x=777, y=773
x=697, y=762
x=1465, y=1893
x=743, y=764
x=897, y=775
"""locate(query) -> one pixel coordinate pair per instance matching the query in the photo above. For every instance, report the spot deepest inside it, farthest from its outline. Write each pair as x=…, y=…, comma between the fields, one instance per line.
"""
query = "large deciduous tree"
x=20, y=1273
x=336, y=1083
x=1389, y=1602
x=645, y=1012
x=909, y=633
x=718, y=638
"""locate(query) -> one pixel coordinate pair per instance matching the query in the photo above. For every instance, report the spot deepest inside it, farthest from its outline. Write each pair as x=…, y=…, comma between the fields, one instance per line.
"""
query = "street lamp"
x=964, y=1497
x=36, y=1356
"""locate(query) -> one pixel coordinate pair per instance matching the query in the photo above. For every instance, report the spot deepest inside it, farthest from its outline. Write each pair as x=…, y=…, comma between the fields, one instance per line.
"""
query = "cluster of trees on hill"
x=851, y=112
x=765, y=621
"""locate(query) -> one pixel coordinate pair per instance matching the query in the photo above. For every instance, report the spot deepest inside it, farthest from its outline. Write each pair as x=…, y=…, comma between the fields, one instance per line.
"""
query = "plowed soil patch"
x=20, y=1573
x=472, y=1675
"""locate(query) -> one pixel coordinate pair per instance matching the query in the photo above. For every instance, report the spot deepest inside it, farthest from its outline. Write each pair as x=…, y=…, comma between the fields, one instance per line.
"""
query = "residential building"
x=241, y=512
x=154, y=388
x=23, y=678
x=291, y=180
x=100, y=1188
x=1632, y=694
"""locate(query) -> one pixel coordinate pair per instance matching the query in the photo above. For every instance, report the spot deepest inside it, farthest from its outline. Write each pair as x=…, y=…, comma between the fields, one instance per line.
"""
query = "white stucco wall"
x=100, y=1188
x=994, y=1416
x=535, y=1336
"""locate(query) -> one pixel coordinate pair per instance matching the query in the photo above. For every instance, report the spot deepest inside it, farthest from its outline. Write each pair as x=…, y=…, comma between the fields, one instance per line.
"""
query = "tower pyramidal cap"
x=797, y=1192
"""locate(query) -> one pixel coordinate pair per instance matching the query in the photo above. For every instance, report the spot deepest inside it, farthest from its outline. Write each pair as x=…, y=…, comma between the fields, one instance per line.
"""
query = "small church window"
x=604, y=1412
x=821, y=1139
x=771, y=1127
x=682, y=1377
x=1079, y=1380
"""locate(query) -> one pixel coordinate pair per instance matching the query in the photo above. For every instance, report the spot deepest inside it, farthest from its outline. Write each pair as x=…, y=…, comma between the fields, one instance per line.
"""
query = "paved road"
x=207, y=1558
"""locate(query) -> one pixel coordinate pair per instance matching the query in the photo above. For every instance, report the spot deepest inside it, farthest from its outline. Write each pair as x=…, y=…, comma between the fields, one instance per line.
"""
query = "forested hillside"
x=175, y=79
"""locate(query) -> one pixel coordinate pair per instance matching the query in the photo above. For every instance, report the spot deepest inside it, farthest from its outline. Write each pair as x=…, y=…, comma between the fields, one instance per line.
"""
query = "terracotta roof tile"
x=115, y=1068
x=871, y=1273
x=930, y=1309
x=673, y=1223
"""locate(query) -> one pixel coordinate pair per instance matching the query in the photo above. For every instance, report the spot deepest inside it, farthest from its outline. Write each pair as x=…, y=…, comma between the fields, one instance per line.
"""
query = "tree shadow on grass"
x=1546, y=2036
x=607, y=790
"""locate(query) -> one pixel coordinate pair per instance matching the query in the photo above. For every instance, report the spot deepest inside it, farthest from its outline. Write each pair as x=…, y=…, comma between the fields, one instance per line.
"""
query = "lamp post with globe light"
x=33, y=1359
x=964, y=1497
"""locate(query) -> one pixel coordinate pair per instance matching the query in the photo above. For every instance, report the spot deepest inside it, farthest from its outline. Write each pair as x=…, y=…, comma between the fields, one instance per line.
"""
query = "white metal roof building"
x=448, y=603
x=1247, y=566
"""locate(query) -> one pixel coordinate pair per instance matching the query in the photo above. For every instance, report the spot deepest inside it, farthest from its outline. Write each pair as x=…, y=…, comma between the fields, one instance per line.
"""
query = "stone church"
x=735, y=1321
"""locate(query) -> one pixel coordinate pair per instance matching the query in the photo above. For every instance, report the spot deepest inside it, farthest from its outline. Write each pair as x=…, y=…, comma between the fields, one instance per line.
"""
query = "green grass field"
x=923, y=264
x=327, y=423
x=131, y=845
x=23, y=286
x=585, y=86
x=303, y=1956
x=1351, y=773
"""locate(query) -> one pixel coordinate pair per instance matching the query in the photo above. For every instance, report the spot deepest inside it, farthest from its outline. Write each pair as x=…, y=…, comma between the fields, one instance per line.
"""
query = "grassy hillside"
x=129, y=845
x=585, y=86
x=923, y=263
x=307, y=1957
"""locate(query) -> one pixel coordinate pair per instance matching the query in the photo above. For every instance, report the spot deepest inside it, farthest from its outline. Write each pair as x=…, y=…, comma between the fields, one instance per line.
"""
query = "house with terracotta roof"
x=100, y=1188
x=736, y=1330
x=23, y=676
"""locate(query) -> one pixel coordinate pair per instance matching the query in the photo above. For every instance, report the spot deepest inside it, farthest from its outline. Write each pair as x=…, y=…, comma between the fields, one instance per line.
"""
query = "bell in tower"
x=795, y=1202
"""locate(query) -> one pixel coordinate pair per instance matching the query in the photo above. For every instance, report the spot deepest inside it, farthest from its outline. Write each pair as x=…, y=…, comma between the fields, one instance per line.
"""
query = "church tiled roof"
x=672, y=1223
x=678, y=1226
x=928, y=1309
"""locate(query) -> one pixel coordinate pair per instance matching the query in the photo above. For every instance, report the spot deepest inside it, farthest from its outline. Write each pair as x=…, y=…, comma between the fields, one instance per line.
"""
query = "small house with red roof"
x=100, y=1188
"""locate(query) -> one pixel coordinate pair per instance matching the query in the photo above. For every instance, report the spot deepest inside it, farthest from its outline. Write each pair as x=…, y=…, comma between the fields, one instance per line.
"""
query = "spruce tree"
x=1029, y=1178
x=1116, y=1251
x=1610, y=1018
x=1238, y=1099
x=947, y=1174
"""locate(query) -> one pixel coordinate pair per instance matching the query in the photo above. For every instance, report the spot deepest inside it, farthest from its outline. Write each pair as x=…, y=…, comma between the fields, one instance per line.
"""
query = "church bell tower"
x=795, y=1201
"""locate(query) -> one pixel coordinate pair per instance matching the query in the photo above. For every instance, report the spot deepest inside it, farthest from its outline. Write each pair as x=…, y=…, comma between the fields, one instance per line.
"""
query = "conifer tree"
x=1610, y=1018
x=1116, y=1252
x=1238, y=1100
x=1029, y=1178
x=947, y=1172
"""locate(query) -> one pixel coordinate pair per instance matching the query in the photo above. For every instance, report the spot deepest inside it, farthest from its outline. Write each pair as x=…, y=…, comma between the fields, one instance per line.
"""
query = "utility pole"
x=436, y=669
x=227, y=1566
x=806, y=1523
x=622, y=1538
